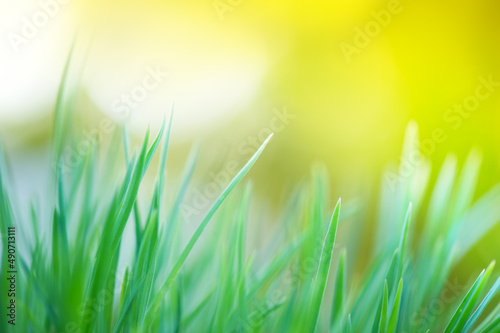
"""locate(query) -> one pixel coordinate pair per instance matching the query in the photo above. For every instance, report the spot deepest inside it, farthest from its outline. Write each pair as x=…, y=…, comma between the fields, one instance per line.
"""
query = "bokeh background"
x=338, y=81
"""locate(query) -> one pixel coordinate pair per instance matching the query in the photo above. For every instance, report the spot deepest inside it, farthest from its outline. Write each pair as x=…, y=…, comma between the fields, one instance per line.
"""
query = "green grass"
x=70, y=279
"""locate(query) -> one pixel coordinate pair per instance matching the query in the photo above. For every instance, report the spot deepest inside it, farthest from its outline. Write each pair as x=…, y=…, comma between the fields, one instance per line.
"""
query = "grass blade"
x=319, y=285
x=180, y=261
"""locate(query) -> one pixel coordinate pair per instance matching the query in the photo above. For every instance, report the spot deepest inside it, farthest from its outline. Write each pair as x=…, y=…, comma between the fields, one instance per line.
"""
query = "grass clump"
x=70, y=280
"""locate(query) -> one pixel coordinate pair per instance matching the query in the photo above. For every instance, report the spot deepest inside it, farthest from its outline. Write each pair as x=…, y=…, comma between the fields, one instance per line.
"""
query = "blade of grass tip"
x=471, y=304
x=129, y=192
x=138, y=174
x=468, y=302
x=155, y=145
x=393, y=320
x=159, y=187
x=180, y=261
x=479, y=311
x=319, y=284
x=339, y=294
x=149, y=155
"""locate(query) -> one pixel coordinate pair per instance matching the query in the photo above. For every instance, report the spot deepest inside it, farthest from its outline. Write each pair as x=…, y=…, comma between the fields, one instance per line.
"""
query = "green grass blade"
x=466, y=306
x=180, y=261
x=393, y=320
x=319, y=285
x=403, y=241
x=482, y=306
x=383, y=315
x=339, y=292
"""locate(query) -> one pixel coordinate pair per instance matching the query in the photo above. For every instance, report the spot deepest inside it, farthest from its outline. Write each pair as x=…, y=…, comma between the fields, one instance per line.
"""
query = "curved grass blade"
x=383, y=315
x=180, y=261
x=479, y=311
x=466, y=306
x=393, y=320
x=319, y=284
x=493, y=327
x=339, y=294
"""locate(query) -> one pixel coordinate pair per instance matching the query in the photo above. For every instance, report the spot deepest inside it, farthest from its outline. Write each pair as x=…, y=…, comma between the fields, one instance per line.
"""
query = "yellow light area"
x=353, y=73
